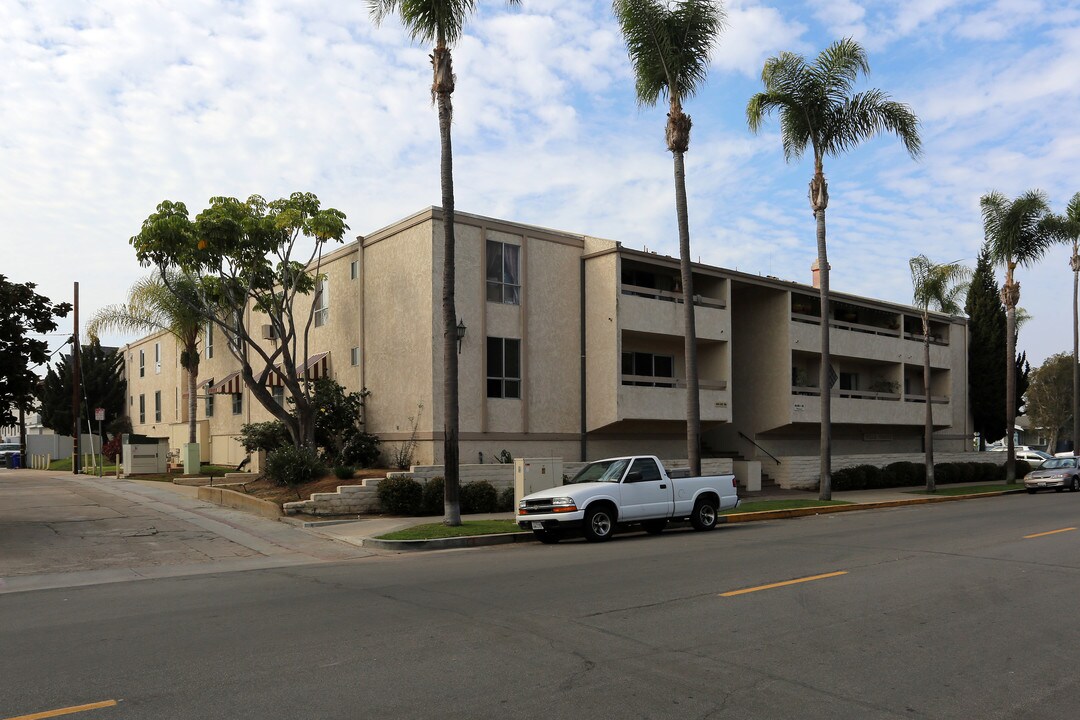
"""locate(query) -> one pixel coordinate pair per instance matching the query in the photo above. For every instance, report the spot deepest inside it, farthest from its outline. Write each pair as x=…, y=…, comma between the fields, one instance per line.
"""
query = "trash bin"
x=15, y=458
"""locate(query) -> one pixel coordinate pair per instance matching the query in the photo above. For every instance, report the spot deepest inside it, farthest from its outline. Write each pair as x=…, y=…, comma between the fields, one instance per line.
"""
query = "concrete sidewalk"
x=366, y=531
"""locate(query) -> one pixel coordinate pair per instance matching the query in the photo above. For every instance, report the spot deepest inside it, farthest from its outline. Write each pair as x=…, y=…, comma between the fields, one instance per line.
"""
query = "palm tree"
x=669, y=45
x=441, y=22
x=161, y=304
x=1018, y=232
x=1070, y=225
x=817, y=107
x=937, y=287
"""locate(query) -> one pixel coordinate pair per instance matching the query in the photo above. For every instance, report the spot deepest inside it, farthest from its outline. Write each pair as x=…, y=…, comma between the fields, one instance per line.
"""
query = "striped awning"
x=231, y=385
x=317, y=367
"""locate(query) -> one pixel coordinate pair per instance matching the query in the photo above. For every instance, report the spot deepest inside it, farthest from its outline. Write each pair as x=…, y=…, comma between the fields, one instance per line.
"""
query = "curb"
x=238, y=501
x=468, y=541
x=825, y=509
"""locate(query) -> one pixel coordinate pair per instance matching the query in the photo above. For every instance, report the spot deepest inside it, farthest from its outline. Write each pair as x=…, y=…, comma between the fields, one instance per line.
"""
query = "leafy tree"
x=986, y=351
x=339, y=425
x=25, y=312
x=818, y=108
x=1049, y=399
x=441, y=22
x=669, y=45
x=247, y=254
x=263, y=436
x=1017, y=233
x=937, y=287
x=101, y=375
x=156, y=304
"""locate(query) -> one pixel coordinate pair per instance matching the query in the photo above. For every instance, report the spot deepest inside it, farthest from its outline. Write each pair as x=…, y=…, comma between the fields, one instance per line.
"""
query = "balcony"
x=666, y=399
x=865, y=341
x=860, y=407
x=660, y=312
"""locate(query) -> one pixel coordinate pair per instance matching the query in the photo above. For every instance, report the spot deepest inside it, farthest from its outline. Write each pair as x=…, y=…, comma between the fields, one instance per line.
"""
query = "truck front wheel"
x=599, y=524
x=704, y=515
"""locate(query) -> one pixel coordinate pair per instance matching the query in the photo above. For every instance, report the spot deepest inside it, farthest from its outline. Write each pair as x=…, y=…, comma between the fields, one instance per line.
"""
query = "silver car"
x=1057, y=473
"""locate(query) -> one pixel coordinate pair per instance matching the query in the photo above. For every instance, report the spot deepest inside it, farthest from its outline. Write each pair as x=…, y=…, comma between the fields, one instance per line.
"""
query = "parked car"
x=1056, y=473
x=621, y=491
x=1003, y=448
x=7, y=449
x=1035, y=457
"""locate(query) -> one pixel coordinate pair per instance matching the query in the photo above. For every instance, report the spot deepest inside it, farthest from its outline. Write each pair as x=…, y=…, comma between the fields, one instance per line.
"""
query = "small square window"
x=237, y=403
x=354, y=269
x=503, y=273
x=355, y=356
x=278, y=393
x=503, y=367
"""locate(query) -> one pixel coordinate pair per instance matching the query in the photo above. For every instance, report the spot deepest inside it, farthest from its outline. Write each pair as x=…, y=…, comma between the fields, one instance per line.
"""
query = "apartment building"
x=572, y=346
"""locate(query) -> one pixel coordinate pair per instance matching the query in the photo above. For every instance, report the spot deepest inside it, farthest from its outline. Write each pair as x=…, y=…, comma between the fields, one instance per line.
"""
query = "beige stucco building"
x=573, y=347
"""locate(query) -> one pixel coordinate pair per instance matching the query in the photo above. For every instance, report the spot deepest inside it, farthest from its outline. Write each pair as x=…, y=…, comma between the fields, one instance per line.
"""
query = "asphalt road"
x=943, y=611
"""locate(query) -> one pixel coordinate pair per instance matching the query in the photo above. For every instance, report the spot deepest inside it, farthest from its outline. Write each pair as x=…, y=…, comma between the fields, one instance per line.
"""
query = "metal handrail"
x=758, y=447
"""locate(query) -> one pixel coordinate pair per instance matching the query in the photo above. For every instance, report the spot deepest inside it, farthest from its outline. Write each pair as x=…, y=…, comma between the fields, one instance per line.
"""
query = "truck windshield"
x=603, y=471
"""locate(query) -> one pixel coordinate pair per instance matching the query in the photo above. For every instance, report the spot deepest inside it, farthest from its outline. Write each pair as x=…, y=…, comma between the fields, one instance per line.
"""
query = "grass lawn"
x=467, y=527
x=970, y=489
x=763, y=505
x=110, y=469
x=65, y=465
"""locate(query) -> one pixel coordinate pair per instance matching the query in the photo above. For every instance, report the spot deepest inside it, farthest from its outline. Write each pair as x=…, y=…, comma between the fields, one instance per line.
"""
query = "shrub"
x=478, y=497
x=990, y=472
x=859, y=477
x=506, y=500
x=113, y=448
x=292, y=466
x=1023, y=467
x=360, y=449
x=432, y=503
x=903, y=473
x=400, y=495
x=266, y=436
x=945, y=473
x=344, y=472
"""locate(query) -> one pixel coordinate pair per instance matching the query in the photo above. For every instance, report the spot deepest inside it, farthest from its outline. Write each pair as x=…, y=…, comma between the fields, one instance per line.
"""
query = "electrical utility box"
x=534, y=474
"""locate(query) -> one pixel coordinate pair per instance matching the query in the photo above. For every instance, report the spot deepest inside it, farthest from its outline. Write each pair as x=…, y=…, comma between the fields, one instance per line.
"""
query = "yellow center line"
x=732, y=593
x=1052, y=532
x=65, y=711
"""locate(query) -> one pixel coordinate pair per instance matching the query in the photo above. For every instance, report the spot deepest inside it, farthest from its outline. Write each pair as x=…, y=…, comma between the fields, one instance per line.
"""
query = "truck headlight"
x=562, y=501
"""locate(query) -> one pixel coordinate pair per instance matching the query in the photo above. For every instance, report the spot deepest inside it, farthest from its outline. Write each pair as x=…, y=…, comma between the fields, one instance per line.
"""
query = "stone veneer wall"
x=802, y=471
x=363, y=499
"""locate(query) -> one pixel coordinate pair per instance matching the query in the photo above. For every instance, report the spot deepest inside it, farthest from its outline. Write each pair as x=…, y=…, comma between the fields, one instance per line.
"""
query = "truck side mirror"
x=633, y=476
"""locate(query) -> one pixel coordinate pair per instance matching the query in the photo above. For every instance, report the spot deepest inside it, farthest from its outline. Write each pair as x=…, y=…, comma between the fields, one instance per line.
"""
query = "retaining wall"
x=363, y=499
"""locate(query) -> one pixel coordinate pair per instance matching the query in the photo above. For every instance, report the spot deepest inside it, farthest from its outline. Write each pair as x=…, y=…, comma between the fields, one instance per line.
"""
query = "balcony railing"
x=844, y=325
x=934, y=339
x=935, y=399
x=671, y=296
x=652, y=380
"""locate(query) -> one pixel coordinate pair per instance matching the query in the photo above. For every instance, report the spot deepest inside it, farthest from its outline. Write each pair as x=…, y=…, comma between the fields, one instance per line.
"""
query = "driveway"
x=58, y=531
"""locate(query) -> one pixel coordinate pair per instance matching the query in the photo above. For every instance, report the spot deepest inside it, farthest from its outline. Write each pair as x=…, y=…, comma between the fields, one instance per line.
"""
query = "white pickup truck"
x=625, y=490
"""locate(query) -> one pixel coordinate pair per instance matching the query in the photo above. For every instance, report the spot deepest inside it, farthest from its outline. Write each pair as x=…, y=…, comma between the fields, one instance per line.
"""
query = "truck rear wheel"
x=599, y=523
x=704, y=515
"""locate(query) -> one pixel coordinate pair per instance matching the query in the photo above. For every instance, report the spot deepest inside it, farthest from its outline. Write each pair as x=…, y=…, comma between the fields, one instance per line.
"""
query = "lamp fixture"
x=461, y=329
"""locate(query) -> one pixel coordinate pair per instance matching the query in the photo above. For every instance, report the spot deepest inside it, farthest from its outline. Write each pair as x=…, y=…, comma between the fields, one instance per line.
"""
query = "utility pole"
x=76, y=464
x=22, y=436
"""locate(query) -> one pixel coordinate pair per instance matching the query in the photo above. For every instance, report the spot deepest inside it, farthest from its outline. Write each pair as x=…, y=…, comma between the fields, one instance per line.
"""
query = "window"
x=157, y=358
x=142, y=363
x=849, y=381
x=503, y=278
x=355, y=356
x=503, y=368
x=237, y=403
x=322, y=303
x=157, y=406
x=278, y=393
x=637, y=367
x=354, y=269
x=646, y=467
x=142, y=409
x=209, y=399
x=209, y=342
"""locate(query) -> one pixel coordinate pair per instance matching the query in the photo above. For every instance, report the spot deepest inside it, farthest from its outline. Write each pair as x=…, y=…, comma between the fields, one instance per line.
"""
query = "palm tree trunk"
x=193, y=385
x=442, y=87
x=1010, y=374
x=931, y=485
x=1076, y=355
x=819, y=200
x=693, y=399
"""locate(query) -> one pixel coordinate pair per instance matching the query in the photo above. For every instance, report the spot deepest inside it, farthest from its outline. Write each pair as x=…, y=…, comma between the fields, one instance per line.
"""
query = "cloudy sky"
x=107, y=108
